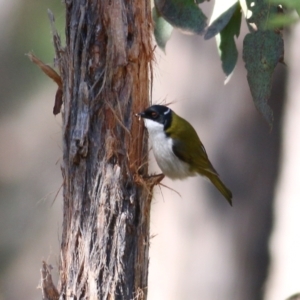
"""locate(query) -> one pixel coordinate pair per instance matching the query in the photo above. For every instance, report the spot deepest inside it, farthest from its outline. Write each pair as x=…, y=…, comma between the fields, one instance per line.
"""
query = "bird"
x=177, y=147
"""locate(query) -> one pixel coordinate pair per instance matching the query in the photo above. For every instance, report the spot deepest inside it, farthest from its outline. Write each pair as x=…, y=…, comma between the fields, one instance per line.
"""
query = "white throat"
x=154, y=128
x=162, y=146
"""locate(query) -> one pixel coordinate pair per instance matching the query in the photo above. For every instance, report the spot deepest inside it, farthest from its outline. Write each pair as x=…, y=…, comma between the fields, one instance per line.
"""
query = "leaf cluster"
x=263, y=46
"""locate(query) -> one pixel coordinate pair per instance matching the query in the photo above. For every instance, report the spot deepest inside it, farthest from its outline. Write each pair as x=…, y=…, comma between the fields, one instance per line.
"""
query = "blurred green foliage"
x=290, y=14
x=290, y=4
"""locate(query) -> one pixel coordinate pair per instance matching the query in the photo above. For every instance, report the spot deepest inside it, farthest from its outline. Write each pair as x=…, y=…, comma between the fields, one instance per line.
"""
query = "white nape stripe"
x=166, y=112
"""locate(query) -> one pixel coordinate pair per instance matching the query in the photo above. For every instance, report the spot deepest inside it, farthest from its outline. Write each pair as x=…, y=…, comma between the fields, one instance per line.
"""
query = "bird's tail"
x=216, y=181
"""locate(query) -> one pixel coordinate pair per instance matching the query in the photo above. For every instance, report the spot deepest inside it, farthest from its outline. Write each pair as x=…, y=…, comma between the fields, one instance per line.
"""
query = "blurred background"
x=201, y=248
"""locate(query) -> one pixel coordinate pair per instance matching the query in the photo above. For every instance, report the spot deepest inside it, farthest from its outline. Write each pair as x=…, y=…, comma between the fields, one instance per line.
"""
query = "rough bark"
x=105, y=73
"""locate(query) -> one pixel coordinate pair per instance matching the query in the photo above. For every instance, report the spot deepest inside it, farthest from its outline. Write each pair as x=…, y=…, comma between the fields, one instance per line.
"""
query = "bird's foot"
x=155, y=179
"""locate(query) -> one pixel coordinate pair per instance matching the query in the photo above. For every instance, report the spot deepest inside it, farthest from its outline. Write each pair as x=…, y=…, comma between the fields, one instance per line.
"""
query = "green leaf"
x=226, y=24
x=227, y=46
x=221, y=21
x=262, y=51
x=257, y=13
x=294, y=297
x=182, y=14
x=162, y=29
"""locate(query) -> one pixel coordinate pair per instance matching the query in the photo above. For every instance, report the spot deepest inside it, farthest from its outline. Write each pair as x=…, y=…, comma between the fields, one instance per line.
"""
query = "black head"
x=158, y=113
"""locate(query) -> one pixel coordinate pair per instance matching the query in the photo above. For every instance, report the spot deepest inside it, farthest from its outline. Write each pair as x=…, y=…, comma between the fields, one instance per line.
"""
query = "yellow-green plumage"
x=177, y=148
x=188, y=147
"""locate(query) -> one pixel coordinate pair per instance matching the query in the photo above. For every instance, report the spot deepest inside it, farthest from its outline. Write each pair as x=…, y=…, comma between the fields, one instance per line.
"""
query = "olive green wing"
x=195, y=156
x=188, y=147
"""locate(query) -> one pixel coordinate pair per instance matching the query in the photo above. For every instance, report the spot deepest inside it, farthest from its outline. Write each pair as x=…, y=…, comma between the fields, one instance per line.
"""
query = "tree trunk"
x=105, y=72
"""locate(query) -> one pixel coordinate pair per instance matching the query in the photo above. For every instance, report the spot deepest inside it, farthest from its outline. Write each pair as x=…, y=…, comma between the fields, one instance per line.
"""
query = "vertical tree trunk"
x=105, y=74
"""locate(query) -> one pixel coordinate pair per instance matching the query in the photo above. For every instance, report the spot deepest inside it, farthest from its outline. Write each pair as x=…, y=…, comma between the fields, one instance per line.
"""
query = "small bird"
x=177, y=148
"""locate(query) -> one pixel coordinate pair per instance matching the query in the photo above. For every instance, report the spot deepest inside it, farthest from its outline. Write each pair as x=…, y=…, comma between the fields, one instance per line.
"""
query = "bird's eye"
x=154, y=114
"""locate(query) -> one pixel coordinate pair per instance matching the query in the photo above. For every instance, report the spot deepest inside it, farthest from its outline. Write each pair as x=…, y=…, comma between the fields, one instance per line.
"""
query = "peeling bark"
x=47, y=286
x=105, y=73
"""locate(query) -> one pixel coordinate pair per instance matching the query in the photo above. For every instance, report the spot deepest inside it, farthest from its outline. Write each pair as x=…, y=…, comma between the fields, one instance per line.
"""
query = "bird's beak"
x=140, y=115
